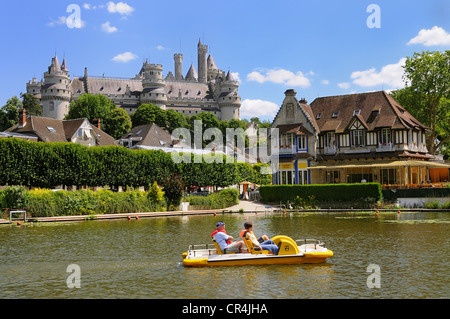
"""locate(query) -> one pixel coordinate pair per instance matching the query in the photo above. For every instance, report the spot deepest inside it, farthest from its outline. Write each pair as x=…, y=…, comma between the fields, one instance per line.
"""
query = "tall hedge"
x=47, y=165
x=322, y=193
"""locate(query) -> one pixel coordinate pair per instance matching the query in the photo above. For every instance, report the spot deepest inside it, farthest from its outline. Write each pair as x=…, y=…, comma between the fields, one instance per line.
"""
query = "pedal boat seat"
x=219, y=250
x=251, y=248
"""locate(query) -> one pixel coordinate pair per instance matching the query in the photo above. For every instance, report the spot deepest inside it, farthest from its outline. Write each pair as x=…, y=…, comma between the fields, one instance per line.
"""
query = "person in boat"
x=225, y=241
x=264, y=243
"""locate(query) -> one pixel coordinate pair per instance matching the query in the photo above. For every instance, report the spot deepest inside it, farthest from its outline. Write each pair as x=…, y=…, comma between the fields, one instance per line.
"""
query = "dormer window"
x=356, y=112
x=319, y=116
x=335, y=114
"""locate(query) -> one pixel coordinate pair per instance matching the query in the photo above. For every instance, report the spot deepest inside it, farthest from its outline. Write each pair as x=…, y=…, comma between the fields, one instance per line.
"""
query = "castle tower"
x=178, y=67
x=34, y=87
x=202, y=62
x=153, y=84
x=55, y=91
x=229, y=98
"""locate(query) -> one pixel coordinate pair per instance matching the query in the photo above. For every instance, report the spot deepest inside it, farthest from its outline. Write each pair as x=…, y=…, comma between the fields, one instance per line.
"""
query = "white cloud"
x=160, y=48
x=325, y=82
x=70, y=23
x=431, y=37
x=106, y=27
x=59, y=21
x=258, y=108
x=125, y=57
x=390, y=75
x=120, y=7
x=236, y=76
x=344, y=85
x=280, y=76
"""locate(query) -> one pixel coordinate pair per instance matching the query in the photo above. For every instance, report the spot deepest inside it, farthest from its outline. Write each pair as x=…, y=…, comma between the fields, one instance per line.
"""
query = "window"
x=332, y=177
x=357, y=138
x=302, y=142
x=335, y=114
x=330, y=140
x=388, y=176
x=386, y=136
x=319, y=116
x=51, y=129
x=356, y=112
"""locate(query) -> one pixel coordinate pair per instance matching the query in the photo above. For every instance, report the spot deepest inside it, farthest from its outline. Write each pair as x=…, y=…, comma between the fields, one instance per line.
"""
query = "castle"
x=208, y=90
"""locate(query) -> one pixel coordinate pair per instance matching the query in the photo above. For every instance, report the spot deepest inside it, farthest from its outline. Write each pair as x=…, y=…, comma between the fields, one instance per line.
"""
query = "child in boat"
x=263, y=242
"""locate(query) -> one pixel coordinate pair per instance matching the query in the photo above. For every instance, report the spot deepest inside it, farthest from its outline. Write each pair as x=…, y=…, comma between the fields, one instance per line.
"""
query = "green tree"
x=31, y=105
x=91, y=107
x=175, y=120
x=9, y=113
x=173, y=189
x=427, y=79
x=118, y=123
x=149, y=114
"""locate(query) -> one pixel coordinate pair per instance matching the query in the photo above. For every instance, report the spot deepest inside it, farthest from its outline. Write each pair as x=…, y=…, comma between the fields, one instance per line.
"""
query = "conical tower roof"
x=230, y=77
x=211, y=63
x=192, y=73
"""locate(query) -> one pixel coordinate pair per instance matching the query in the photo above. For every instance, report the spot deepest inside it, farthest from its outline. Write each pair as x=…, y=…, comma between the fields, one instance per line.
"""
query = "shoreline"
x=81, y=218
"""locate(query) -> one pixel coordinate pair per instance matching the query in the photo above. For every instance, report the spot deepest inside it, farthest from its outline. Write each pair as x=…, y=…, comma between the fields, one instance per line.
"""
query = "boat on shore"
x=302, y=251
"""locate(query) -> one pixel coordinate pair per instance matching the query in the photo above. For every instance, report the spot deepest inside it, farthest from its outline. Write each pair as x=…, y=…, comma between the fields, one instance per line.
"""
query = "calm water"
x=142, y=259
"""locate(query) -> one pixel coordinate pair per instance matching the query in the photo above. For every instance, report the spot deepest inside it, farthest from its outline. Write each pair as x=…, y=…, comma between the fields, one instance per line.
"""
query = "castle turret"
x=178, y=67
x=34, y=87
x=229, y=98
x=153, y=84
x=55, y=91
x=213, y=70
x=202, y=62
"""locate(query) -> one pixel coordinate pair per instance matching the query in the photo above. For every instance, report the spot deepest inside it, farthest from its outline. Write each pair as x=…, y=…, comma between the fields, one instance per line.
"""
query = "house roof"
x=52, y=130
x=150, y=135
x=296, y=129
x=376, y=110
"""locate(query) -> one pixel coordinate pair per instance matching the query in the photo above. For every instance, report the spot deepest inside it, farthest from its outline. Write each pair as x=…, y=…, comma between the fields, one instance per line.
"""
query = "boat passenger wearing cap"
x=225, y=241
x=264, y=243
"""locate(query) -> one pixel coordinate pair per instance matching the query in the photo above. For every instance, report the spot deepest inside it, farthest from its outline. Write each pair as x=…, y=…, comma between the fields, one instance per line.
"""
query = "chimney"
x=99, y=126
x=22, y=118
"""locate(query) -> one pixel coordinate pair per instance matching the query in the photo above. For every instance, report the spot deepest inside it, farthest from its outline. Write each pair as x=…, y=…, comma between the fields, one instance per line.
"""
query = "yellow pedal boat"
x=302, y=251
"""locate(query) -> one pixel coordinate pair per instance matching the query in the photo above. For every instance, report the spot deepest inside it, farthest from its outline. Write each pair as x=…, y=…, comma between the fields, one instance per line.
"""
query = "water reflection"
x=142, y=259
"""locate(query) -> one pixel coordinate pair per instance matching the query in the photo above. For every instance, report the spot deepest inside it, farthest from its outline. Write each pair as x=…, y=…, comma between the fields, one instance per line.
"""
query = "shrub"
x=223, y=199
x=14, y=198
x=46, y=203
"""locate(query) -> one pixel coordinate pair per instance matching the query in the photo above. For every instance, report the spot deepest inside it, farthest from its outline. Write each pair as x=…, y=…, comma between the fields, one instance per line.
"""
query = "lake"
x=136, y=259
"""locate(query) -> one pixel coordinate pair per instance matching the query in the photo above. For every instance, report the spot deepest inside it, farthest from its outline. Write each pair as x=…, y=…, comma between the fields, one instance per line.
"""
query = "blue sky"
x=318, y=48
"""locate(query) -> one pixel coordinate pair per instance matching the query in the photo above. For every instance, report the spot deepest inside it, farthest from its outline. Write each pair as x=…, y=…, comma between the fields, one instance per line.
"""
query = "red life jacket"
x=229, y=242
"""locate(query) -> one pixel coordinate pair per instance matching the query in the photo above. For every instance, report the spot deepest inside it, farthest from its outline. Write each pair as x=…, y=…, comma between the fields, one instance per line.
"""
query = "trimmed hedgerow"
x=322, y=193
